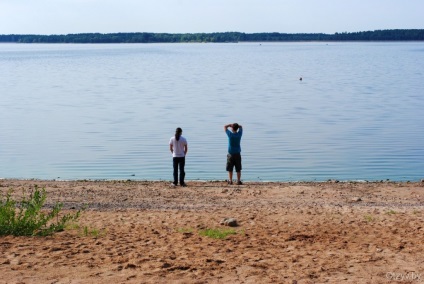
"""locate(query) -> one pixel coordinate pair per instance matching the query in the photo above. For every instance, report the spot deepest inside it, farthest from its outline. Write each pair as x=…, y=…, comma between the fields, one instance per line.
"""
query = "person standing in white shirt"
x=178, y=148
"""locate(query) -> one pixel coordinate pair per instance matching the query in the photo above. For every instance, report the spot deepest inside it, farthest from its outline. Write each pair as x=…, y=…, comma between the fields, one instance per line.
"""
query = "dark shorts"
x=233, y=160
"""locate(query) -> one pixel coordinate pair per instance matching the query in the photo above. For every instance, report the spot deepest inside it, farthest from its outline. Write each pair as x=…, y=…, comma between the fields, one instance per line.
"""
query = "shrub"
x=26, y=217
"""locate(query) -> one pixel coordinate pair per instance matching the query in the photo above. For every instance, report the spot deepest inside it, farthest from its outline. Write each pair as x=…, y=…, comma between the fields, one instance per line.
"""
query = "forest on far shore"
x=143, y=37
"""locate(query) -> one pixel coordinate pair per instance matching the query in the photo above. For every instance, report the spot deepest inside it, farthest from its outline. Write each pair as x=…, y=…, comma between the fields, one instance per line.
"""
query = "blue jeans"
x=179, y=162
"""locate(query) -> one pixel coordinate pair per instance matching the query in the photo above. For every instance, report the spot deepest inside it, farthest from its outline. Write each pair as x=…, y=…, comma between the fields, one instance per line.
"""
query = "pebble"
x=229, y=222
x=356, y=199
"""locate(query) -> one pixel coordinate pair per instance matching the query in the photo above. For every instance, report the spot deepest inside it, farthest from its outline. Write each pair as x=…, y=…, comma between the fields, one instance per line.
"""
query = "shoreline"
x=419, y=180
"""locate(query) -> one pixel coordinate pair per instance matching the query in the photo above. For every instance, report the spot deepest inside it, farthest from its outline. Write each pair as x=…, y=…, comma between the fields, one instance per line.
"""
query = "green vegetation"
x=391, y=212
x=217, y=233
x=185, y=230
x=27, y=217
x=377, y=35
x=86, y=232
x=211, y=233
x=369, y=218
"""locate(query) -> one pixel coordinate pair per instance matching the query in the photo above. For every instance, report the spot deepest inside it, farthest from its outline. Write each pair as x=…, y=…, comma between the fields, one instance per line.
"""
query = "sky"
x=206, y=16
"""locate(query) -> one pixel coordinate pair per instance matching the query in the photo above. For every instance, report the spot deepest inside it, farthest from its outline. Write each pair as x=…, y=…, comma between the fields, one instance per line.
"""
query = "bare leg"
x=230, y=176
x=238, y=176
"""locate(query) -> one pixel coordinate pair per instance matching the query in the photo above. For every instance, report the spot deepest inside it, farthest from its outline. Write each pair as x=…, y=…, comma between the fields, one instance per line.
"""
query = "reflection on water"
x=108, y=111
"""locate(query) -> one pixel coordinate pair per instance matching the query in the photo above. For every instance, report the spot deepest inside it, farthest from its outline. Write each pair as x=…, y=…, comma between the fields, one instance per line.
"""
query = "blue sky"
x=192, y=16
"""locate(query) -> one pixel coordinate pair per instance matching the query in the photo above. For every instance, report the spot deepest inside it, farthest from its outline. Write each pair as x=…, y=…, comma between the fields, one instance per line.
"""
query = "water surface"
x=108, y=111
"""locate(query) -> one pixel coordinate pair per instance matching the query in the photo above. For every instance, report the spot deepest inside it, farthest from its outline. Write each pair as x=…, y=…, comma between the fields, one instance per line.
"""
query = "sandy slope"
x=288, y=233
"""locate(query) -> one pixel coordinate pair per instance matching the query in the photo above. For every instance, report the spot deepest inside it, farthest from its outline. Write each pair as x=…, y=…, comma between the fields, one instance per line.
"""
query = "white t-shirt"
x=178, y=146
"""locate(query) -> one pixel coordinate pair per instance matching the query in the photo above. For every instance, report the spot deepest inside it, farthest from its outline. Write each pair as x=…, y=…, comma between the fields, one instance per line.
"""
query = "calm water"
x=108, y=111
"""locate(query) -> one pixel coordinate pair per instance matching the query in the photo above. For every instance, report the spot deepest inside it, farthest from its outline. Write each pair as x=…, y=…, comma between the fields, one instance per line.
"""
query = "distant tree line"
x=377, y=35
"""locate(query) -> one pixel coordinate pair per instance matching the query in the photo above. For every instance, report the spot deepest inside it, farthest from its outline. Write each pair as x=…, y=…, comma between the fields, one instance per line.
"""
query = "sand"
x=149, y=232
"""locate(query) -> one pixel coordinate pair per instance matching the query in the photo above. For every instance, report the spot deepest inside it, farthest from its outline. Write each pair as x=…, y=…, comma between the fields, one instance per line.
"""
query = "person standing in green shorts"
x=234, y=150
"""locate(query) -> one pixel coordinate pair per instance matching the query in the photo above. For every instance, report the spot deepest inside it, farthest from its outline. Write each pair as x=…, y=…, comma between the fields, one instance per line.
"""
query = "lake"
x=107, y=111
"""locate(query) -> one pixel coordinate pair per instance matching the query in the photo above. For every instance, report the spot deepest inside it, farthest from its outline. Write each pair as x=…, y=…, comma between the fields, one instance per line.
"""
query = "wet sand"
x=148, y=232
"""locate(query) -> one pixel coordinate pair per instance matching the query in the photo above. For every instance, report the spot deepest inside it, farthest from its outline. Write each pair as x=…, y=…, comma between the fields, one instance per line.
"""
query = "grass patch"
x=391, y=212
x=185, y=230
x=217, y=233
x=93, y=232
x=27, y=217
x=369, y=218
x=86, y=231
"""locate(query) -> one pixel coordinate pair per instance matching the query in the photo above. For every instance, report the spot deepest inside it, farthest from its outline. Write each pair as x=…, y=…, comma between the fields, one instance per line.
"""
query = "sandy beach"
x=149, y=232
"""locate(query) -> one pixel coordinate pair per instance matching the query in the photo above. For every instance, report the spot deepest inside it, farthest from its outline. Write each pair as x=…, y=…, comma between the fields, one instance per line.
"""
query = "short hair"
x=235, y=126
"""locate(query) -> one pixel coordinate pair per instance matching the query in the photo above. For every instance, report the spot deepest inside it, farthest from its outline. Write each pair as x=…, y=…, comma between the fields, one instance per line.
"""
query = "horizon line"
x=237, y=32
